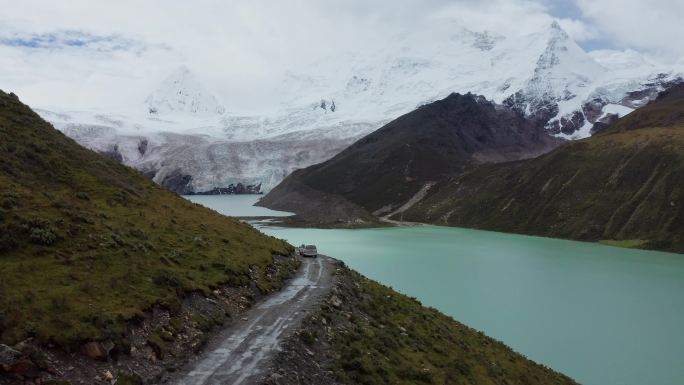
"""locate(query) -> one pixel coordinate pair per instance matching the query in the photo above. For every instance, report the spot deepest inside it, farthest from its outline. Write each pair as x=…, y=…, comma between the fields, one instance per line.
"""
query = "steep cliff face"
x=386, y=168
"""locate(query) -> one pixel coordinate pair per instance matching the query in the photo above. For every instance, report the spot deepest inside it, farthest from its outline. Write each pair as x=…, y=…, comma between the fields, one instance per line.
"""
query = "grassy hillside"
x=367, y=333
x=395, y=340
x=624, y=186
x=87, y=244
x=386, y=168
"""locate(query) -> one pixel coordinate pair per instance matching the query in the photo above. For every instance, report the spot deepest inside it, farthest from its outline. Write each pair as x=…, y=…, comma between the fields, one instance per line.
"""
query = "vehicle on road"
x=308, y=251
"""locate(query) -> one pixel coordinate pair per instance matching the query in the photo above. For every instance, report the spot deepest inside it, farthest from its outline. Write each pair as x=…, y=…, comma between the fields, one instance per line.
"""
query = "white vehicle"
x=308, y=251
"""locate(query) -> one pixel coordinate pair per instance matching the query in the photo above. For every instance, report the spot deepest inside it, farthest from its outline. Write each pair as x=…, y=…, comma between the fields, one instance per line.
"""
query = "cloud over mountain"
x=58, y=52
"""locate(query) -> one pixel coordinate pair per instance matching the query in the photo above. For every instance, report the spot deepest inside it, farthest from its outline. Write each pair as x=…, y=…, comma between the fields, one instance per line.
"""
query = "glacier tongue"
x=185, y=140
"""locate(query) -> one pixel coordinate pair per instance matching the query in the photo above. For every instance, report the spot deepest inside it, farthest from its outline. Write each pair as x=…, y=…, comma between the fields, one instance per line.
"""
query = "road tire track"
x=242, y=353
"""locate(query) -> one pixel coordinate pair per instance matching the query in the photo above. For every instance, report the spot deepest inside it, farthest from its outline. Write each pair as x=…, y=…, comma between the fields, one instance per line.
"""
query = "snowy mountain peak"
x=562, y=51
x=563, y=77
x=182, y=93
x=558, y=31
x=330, y=103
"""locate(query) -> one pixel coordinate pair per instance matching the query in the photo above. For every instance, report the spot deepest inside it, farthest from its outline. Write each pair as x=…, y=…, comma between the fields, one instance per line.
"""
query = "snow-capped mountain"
x=544, y=74
x=563, y=76
x=186, y=141
x=182, y=93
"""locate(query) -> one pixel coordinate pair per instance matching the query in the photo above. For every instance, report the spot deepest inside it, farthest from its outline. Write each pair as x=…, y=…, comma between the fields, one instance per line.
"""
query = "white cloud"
x=654, y=25
x=240, y=48
x=511, y=18
x=578, y=29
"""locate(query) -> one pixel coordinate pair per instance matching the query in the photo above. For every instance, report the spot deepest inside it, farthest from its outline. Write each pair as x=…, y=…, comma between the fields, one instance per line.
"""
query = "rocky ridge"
x=383, y=170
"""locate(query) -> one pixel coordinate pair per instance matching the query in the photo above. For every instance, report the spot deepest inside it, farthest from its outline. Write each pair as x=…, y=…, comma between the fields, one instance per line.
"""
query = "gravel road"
x=242, y=353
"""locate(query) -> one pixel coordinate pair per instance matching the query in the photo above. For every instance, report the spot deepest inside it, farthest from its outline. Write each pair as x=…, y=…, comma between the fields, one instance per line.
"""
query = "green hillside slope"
x=367, y=333
x=87, y=244
x=624, y=186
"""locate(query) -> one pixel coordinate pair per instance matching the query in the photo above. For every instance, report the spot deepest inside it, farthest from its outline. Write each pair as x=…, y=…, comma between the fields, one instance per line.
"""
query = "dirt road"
x=417, y=197
x=241, y=353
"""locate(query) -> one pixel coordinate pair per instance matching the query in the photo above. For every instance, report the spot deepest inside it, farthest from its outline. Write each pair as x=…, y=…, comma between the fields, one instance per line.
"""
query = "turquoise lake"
x=602, y=315
x=235, y=205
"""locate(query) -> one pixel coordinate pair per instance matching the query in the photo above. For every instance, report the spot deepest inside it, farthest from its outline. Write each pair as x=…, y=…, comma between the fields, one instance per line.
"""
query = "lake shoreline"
x=287, y=222
x=564, y=303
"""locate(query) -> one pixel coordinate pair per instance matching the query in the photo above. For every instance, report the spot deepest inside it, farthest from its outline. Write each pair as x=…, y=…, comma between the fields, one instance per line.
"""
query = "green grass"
x=88, y=245
x=622, y=186
x=301, y=222
x=627, y=243
x=382, y=337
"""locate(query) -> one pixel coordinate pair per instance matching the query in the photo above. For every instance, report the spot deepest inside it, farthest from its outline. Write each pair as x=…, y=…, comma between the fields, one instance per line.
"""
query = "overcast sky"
x=109, y=54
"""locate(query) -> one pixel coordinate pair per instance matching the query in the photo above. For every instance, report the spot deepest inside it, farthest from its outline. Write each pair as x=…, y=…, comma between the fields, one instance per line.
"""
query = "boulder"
x=336, y=301
x=96, y=350
x=8, y=355
x=24, y=368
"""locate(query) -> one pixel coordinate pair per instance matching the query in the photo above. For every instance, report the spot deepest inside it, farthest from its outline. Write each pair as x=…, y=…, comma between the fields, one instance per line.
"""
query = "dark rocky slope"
x=386, y=168
x=625, y=184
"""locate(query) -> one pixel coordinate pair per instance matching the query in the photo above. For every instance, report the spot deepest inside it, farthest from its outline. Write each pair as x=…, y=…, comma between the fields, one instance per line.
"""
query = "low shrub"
x=7, y=241
x=9, y=200
x=307, y=337
x=43, y=236
x=158, y=344
x=167, y=278
x=128, y=379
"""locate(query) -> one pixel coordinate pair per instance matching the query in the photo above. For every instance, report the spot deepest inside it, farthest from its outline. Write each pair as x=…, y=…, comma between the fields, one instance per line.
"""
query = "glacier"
x=186, y=140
